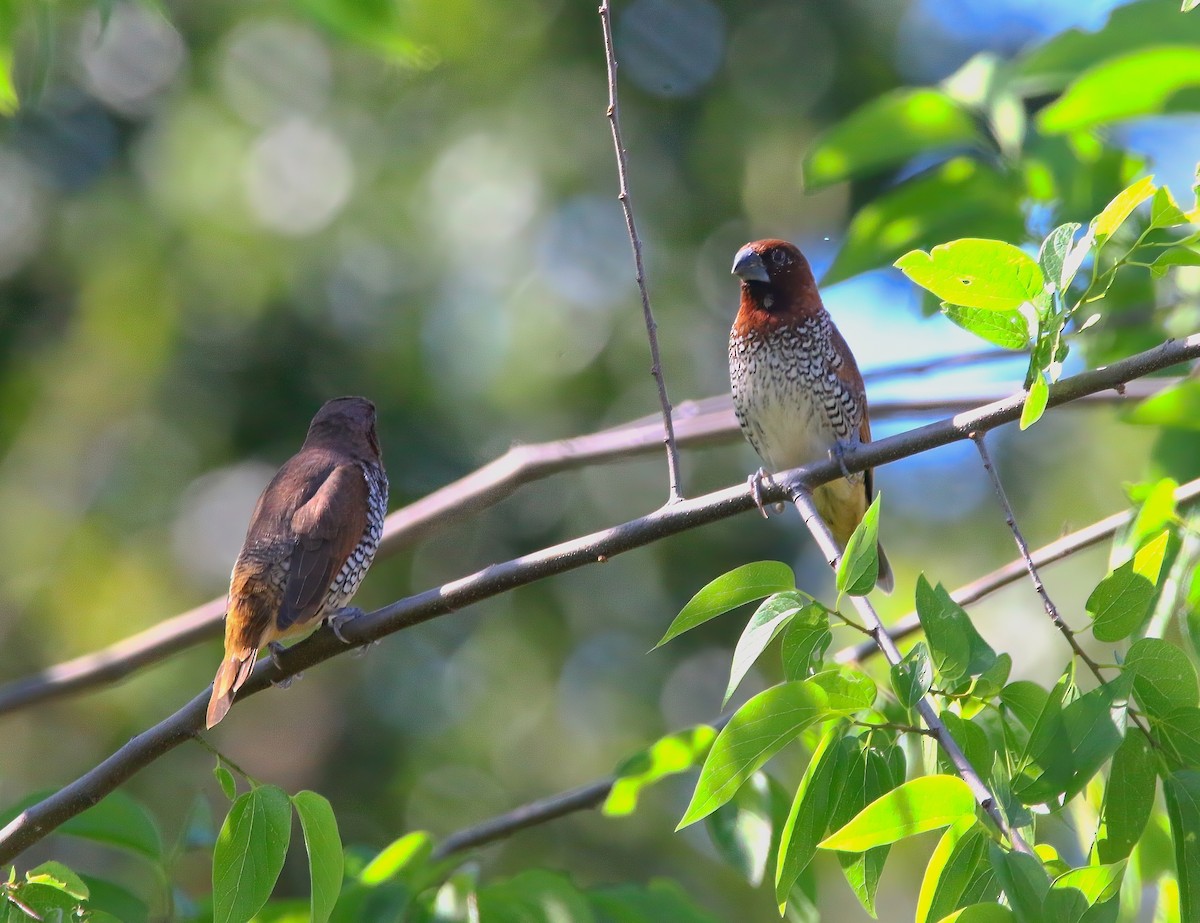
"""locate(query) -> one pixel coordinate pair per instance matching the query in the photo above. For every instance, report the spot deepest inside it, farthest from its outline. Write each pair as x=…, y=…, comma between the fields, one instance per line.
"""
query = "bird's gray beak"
x=749, y=267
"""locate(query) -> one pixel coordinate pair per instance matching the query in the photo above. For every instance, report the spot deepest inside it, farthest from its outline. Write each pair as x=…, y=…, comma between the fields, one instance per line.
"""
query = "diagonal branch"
x=593, y=793
x=37, y=821
x=702, y=422
x=614, y=121
x=802, y=498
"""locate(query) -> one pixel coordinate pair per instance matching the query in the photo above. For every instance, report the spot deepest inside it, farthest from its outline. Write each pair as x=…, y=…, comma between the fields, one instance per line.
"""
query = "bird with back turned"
x=312, y=536
x=797, y=391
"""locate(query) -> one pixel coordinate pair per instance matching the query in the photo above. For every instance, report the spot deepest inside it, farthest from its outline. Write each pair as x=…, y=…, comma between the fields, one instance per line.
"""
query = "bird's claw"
x=274, y=648
x=838, y=454
x=757, y=481
x=336, y=620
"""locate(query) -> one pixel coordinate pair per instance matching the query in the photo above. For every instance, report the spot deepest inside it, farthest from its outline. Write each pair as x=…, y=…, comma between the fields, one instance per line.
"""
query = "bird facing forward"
x=311, y=538
x=797, y=391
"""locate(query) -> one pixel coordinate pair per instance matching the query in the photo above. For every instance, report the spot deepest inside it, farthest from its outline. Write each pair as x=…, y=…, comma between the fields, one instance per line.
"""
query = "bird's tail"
x=885, y=581
x=233, y=672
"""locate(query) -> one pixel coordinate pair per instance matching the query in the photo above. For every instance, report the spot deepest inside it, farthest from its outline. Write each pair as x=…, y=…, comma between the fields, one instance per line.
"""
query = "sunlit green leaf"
x=863, y=869
x=1164, y=212
x=1023, y=879
x=1006, y=329
x=1157, y=509
x=409, y=851
x=1035, y=401
x=989, y=275
x=981, y=913
x=1121, y=207
x=667, y=756
x=954, y=864
x=1175, y=256
x=249, y=853
x=768, y=620
x=849, y=690
x=736, y=588
x=1121, y=601
x=1053, y=255
x=925, y=803
x=56, y=875
x=805, y=641
x=226, y=780
x=324, y=846
x=912, y=676
x=1178, y=733
x=1095, y=725
x=1176, y=405
x=1072, y=893
x=741, y=829
x=756, y=732
x=815, y=800
x=1139, y=83
x=912, y=119
x=859, y=567
x=956, y=647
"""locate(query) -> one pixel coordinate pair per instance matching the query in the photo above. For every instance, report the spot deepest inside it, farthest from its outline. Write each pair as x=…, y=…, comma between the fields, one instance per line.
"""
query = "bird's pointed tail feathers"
x=232, y=674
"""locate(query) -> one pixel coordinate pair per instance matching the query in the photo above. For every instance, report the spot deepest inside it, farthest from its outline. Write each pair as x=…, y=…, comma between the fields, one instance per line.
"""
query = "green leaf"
x=981, y=913
x=960, y=198
x=1035, y=402
x=859, y=567
x=1044, y=766
x=912, y=676
x=1095, y=725
x=324, y=845
x=1157, y=509
x=948, y=875
x=926, y=803
x=768, y=620
x=812, y=808
x=1006, y=329
x=667, y=756
x=741, y=830
x=379, y=27
x=1163, y=676
x=1024, y=881
x=1128, y=798
x=863, y=870
x=249, y=853
x=1189, y=5
x=805, y=642
x=118, y=821
x=956, y=647
x=989, y=275
x=1121, y=600
x=1142, y=82
x=409, y=851
x=226, y=780
x=1182, y=790
x=1105, y=224
x=1053, y=256
x=58, y=876
x=1175, y=256
x=849, y=690
x=1164, y=212
x=755, y=733
x=661, y=900
x=1073, y=893
x=1178, y=733
x=1177, y=405
x=741, y=585
x=912, y=119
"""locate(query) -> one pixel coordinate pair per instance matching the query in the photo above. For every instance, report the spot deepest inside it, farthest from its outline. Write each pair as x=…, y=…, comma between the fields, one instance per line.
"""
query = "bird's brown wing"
x=328, y=528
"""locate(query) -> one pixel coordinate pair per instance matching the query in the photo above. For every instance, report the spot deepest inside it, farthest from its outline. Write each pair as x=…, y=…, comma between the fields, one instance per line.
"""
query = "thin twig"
x=614, y=121
x=702, y=422
x=1031, y=567
x=35, y=822
x=802, y=498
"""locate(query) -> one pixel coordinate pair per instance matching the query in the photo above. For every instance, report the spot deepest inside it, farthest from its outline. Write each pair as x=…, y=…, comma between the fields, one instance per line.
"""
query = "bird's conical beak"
x=749, y=267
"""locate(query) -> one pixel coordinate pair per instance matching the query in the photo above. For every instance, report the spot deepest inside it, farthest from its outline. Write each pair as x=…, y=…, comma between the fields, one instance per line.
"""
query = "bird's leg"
x=757, y=481
x=838, y=452
x=273, y=649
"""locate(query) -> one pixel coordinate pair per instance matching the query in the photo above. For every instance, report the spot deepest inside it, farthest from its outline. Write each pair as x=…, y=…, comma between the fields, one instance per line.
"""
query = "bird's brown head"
x=349, y=423
x=777, y=283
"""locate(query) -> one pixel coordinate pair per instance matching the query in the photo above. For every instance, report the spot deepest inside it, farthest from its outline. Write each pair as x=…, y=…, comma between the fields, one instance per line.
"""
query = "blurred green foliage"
x=217, y=215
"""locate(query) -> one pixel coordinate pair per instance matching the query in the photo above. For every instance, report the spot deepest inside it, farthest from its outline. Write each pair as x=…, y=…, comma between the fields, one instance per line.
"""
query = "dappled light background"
x=213, y=219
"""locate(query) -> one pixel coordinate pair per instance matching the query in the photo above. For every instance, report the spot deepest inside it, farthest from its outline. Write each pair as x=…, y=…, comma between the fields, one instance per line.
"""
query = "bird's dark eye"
x=779, y=257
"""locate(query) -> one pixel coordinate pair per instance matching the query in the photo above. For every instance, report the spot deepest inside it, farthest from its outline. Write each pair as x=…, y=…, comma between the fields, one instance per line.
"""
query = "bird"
x=311, y=538
x=797, y=391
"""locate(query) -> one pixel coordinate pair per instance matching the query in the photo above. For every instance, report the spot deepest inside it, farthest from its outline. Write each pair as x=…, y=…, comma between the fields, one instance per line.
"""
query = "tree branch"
x=702, y=422
x=593, y=793
x=40, y=819
x=614, y=121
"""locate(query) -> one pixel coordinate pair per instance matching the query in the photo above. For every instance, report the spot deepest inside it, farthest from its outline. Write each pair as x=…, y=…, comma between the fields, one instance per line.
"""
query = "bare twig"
x=34, y=823
x=614, y=121
x=703, y=422
x=593, y=793
x=800, y=495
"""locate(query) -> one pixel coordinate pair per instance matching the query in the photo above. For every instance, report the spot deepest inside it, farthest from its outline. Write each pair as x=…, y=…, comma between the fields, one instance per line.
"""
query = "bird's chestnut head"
x=349, y=421
x=776, y=278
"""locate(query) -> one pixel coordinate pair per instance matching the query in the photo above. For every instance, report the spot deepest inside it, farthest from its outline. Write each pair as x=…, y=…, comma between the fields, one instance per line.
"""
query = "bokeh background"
x=215, y=215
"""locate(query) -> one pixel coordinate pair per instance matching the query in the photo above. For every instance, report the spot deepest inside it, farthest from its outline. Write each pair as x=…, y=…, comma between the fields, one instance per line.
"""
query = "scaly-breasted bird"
x=797, y=391
x=311, y=539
